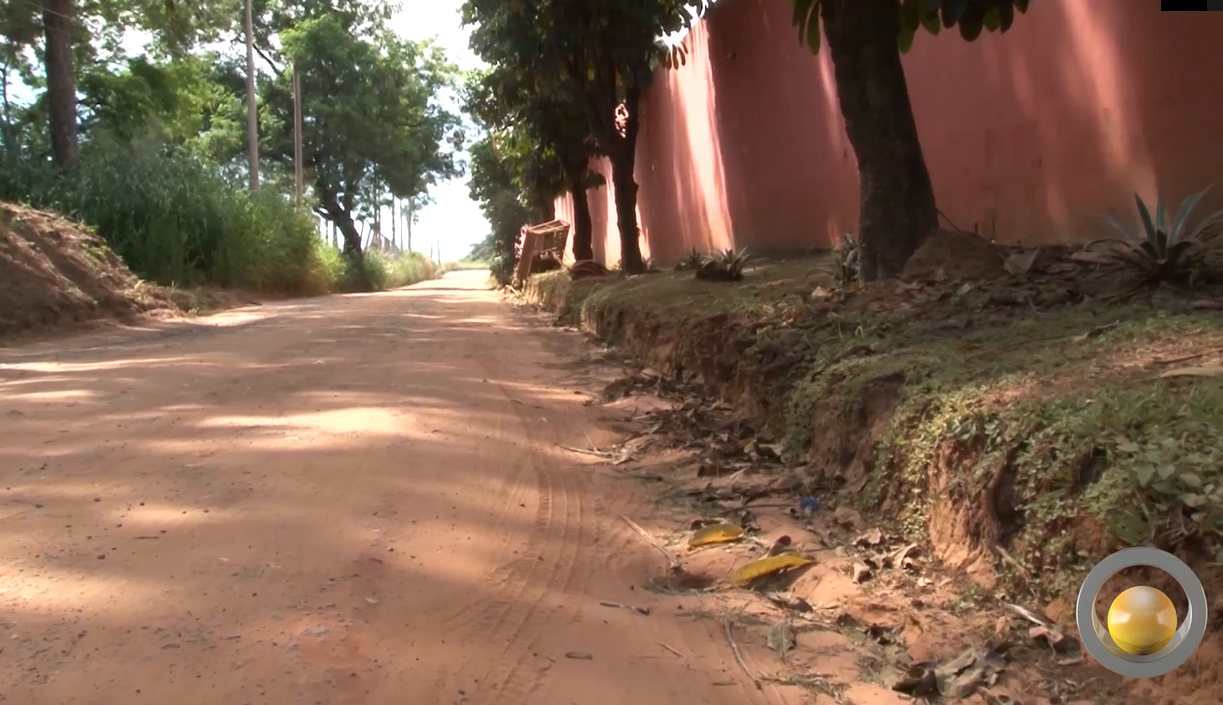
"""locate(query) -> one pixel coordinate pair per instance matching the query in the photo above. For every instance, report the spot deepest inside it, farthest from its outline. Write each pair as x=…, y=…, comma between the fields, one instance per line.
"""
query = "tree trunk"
x=583, y=227
x=6, y=115
x=61, y=81
x=342, y=221
x=408, y=225
x=352, y=250
x=252, y=105
x=626, y=216
x=544, y=210
x=897, y=209
x=624, y=161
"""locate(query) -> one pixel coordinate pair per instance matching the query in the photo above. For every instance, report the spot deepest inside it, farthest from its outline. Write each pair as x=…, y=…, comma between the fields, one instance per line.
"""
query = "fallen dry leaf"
x=770, y=565
x=714, y=534
x=874, y=537
x=1020, y=262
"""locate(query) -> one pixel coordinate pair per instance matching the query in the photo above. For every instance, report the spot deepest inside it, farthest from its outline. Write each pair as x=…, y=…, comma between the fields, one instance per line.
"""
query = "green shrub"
x=177, y=220
x=385, y=271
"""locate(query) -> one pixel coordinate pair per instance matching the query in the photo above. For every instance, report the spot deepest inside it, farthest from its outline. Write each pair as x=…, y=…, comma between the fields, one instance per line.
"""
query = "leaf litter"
x=729, y=468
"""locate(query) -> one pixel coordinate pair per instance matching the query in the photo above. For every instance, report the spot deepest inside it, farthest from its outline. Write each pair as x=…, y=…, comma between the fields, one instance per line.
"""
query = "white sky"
x=454, y=221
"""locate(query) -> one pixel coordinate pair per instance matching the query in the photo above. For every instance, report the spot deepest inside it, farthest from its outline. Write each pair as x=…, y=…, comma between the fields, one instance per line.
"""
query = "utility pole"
x=299, y=169
x=252, y=107
x=408, y=228
x=394, y=221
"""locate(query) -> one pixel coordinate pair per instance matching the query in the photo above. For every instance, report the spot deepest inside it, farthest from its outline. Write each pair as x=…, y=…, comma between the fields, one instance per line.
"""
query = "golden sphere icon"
x=1141, y=637
x=1142, y=620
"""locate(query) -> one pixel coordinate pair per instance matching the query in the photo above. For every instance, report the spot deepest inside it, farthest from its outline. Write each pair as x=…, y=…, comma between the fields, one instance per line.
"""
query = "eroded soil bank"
x=56, y=274
x=1019, y=426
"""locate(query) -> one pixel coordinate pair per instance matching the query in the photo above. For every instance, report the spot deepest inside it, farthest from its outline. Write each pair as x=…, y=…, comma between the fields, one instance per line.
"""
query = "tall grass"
x=384, y=271
x=178, y=220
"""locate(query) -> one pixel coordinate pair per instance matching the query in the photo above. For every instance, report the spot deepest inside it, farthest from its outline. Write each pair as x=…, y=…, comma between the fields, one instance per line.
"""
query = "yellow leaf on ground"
x=768, y=566
x=715, y=533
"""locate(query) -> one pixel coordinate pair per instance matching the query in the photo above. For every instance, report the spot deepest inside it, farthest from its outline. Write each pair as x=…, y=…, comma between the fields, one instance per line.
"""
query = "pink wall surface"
x=1030, y=136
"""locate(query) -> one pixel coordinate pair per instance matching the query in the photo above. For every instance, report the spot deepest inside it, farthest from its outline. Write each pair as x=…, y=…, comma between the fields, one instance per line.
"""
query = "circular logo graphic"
x=1141, y=638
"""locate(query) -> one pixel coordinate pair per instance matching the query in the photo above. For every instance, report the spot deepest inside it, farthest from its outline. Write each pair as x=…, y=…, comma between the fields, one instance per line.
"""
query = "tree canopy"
x=594, y=58
x=377, y=129
x=372, y=120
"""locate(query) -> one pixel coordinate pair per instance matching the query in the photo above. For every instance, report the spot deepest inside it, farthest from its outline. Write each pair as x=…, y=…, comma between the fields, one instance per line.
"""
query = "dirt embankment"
x=1020, y=422
x=56, y=273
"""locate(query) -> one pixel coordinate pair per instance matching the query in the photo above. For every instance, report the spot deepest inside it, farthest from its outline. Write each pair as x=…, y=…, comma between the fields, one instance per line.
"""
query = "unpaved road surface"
x=354, y=499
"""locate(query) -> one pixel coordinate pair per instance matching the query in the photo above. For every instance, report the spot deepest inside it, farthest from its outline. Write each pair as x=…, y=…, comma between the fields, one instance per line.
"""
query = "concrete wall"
x=1029, y=136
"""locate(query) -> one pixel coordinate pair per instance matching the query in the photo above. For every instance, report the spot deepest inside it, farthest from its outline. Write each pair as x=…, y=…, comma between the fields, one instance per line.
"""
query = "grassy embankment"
x=1023, y=418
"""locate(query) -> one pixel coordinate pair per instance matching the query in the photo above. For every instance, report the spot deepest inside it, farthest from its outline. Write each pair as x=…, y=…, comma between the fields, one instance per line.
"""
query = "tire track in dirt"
x=545, y=564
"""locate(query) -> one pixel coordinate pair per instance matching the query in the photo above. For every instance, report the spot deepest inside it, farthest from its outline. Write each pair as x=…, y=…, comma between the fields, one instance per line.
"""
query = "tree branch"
x=267, y=59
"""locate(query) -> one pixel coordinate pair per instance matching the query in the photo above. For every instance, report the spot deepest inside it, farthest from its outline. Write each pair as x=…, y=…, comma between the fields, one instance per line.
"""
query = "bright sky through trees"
x=454, y=219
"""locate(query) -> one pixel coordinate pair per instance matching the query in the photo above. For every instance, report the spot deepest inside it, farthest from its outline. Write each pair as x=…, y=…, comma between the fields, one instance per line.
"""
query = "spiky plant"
x=846, y=256
x=734, y=262
x=692, y=260
x=1163, y=251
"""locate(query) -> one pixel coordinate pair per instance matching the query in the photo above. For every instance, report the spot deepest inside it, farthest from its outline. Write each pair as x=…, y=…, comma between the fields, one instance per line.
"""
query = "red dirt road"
x=354, y=499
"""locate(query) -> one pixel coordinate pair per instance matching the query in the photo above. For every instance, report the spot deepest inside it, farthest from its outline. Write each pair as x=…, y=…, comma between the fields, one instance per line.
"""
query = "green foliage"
x=970, y=16
x=1164, y=251
x=493, y=185
x=177, y=220
x=375, y=132
x=373, y=128
x=384, y=271
x=195, y=101
x=590, y=59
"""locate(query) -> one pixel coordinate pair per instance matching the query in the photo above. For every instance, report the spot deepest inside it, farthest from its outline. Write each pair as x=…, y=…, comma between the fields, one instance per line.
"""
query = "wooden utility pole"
x=252, y=106
x=394, y=221
x=408, y=225
x=299, y=169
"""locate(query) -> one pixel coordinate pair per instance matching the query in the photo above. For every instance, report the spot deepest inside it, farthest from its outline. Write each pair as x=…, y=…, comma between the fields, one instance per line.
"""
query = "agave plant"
x=1162, y=250
x=846, y=256
x=728, y=266
x=692, y=260
x=734, y=262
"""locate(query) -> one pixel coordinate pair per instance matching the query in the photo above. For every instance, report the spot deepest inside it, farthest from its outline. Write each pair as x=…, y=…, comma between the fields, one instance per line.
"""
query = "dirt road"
x=354, y=499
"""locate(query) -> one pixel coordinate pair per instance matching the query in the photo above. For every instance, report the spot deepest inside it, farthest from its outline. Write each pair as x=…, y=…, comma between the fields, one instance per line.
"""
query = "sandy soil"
x=353, y=499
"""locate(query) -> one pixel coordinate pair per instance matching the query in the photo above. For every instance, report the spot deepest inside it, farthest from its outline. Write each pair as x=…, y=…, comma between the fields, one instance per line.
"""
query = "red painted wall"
x=1029, y=136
